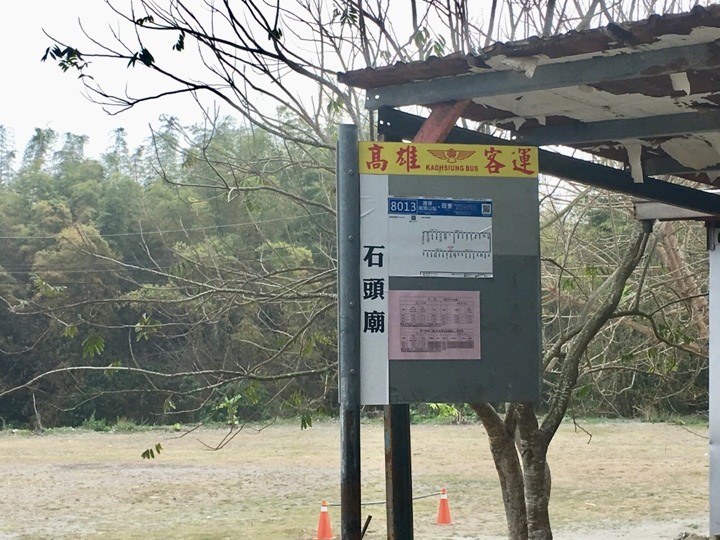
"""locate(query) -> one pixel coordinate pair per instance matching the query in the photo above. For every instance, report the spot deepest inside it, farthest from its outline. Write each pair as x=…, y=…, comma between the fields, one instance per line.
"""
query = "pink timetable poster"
x=434, y=325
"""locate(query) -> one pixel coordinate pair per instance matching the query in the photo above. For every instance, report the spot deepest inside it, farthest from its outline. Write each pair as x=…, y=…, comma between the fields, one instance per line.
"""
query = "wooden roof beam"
x=441, y=120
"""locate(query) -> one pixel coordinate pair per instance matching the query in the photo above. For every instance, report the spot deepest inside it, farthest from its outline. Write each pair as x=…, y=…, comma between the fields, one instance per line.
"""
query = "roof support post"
x=714, y=383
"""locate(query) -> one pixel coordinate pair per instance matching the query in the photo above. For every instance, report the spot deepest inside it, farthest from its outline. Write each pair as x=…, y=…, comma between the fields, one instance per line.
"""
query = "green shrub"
x=93, y=424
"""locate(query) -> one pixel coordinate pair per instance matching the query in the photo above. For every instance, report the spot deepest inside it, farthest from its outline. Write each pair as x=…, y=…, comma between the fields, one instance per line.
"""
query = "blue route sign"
x=439, y=207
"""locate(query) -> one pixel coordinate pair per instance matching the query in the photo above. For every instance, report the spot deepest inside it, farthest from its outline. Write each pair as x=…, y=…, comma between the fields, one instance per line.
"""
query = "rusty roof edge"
x=612, y=36
x=585, y=71
x=433, y=67
x=618, y=34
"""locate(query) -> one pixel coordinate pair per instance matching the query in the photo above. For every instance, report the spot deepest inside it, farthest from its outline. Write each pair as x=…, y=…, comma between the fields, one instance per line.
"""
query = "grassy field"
x=636, y=479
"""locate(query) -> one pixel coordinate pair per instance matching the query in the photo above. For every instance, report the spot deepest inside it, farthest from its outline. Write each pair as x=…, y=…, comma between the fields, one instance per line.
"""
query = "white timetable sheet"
x=440, y=237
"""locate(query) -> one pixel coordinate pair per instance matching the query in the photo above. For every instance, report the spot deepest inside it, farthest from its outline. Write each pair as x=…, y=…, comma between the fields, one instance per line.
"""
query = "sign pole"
x=348, y=238
x=398, y=454
x=398, y=472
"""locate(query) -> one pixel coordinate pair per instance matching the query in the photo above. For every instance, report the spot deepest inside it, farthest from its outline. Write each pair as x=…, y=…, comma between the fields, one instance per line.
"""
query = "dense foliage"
x=180, y=301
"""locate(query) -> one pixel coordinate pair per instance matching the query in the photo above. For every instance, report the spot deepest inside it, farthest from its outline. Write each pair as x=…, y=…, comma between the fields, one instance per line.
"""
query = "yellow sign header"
x=448, y=159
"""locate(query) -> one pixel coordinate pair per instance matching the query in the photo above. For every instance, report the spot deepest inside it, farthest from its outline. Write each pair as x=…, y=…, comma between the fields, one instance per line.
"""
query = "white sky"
x=38, y=94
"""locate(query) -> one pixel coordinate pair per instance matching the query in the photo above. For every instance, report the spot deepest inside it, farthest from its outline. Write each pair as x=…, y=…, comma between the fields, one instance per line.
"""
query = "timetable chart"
x=434, y=325
x=440, y=237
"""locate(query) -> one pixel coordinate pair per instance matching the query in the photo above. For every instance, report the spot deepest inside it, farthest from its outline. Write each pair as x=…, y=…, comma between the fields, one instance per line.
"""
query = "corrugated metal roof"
x=656, y=92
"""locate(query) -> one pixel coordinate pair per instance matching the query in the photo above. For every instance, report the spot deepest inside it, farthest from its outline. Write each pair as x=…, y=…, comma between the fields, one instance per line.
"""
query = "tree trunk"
x=501, y=436
x=533, y=444
x=537, y=492
x=525, y=485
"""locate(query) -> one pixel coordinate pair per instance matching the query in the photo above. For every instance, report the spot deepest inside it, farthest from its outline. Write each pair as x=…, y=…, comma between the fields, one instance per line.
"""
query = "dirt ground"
x=630, y=480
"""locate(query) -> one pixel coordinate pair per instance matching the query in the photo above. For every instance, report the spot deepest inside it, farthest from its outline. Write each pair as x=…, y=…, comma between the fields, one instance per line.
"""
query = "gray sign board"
x=463, y=324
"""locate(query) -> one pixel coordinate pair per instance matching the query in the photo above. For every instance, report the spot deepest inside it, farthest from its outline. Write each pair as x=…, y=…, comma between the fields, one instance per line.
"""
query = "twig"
x=37, y=414
x=578, y=426
x=693, y=432
x=188, y=432
x=365, y=527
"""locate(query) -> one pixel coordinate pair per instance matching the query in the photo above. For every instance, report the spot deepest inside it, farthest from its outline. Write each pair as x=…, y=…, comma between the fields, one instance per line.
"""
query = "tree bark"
x=501, y=436
x=533, y=446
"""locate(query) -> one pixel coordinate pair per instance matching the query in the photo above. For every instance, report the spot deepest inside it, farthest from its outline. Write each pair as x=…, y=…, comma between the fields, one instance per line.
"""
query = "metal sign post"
x=398, y=473
x=348, y=236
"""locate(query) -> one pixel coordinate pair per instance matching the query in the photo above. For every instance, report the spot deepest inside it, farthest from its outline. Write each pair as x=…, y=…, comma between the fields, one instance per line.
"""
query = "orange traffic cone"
x=443, y=516
x=324, y=530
